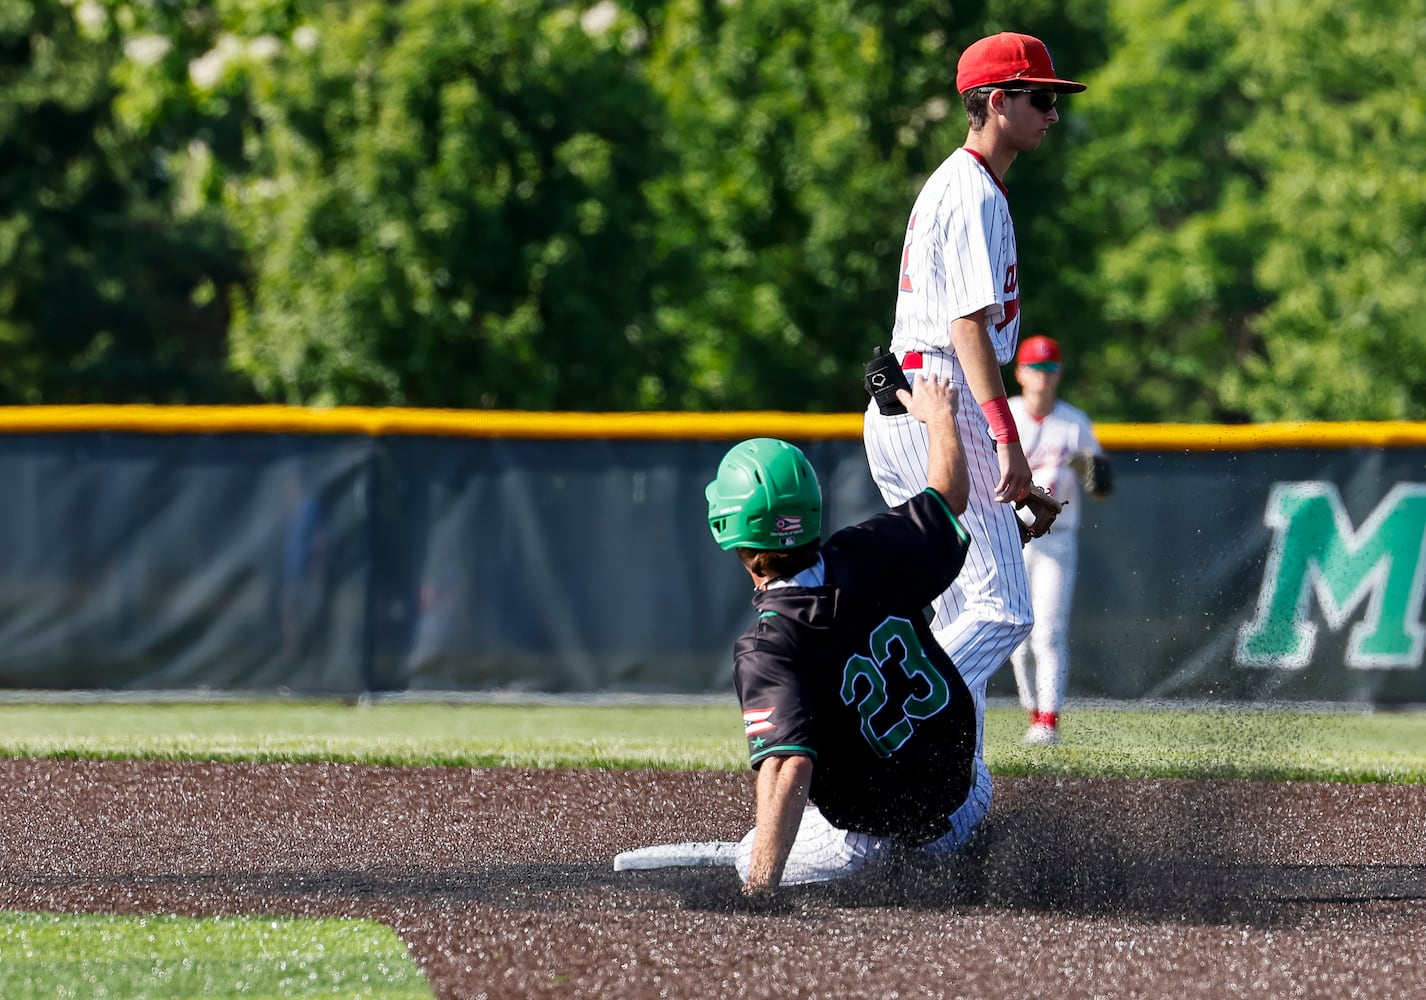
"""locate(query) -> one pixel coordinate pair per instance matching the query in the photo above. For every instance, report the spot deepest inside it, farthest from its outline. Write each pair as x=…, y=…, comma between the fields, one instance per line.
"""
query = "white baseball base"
x=692, y=854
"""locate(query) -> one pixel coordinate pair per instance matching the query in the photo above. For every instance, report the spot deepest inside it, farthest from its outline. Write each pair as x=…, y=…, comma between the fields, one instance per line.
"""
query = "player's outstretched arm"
x=782, y=787
x=934, y=402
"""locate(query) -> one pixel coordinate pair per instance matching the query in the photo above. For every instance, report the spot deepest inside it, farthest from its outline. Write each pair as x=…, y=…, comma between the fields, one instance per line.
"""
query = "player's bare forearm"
x=971, y=340
x=934, y=402
x=782, y=786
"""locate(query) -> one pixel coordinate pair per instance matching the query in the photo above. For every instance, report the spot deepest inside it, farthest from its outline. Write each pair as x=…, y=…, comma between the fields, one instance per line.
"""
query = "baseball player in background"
x=1066, y=459
x=860, y=728
x=958, y=315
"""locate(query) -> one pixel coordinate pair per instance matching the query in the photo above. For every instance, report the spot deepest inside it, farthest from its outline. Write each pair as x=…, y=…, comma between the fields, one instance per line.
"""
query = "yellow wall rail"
x=376, y=421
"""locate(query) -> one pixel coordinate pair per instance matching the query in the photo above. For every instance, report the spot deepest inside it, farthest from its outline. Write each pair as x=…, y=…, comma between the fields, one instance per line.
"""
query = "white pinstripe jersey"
x=959, y=257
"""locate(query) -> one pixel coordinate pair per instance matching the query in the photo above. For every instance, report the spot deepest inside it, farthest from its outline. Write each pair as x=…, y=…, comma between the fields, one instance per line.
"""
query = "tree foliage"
x=1247, y=186
x=797, y=137
x=448, y=209
x=106, y=294
x=1338, y=136
x=688, y=204
x=1166, y=201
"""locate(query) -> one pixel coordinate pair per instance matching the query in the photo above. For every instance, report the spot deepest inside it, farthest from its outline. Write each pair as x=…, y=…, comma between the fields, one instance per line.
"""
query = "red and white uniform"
x=959, y=257
x=1042, y=663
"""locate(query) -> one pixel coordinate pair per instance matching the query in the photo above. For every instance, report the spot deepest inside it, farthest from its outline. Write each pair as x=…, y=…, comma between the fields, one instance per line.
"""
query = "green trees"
x=797, y=138
x=684, y=204
x=1249, y=180
x=105, y=293
x=1338, y=136
x=447, y=208
x=1161, y=195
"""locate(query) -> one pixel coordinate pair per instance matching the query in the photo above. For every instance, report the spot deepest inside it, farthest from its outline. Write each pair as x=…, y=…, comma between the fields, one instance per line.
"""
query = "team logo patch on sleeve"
x=757, y=720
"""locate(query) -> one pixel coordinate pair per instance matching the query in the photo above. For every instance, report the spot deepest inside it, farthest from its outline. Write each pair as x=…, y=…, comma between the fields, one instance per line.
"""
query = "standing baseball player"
x=860, y=728
x=1067, y=461
x=958, y=314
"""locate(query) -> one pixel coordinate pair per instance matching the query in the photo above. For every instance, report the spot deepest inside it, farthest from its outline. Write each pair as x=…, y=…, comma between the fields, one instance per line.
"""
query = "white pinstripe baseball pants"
x=1042, y=661
x=823, y=852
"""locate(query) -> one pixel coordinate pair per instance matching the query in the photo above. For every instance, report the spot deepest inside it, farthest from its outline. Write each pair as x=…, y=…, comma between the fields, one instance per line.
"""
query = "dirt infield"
x=500, y=881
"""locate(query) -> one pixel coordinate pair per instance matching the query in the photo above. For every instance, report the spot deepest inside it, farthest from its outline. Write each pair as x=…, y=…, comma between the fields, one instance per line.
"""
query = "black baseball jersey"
x=849, y=673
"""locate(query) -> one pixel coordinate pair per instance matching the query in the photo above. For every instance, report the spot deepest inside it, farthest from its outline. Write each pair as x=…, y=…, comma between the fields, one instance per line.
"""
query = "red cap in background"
x=1038, y=350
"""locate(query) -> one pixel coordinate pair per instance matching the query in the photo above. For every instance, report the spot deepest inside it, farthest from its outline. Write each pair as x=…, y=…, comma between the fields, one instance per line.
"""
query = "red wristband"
x=1002, y=424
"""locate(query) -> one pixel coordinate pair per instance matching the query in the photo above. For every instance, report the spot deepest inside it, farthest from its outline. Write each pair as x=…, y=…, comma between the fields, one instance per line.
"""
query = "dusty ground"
x=500, y=881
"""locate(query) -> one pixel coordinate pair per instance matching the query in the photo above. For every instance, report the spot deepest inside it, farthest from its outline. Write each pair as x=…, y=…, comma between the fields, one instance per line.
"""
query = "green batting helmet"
x=764, y=497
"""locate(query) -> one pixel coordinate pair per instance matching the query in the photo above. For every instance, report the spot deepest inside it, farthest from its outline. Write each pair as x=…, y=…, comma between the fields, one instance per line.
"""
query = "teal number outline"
x=913, y=664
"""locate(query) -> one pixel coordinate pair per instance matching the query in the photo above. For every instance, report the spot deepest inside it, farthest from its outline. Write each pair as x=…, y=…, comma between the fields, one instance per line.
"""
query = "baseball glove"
x=1094, y=472
x=1041, y=508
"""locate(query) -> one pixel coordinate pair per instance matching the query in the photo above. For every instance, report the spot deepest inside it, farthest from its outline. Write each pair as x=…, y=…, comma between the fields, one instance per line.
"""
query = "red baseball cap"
x=1038, y=350
x=1009, y=57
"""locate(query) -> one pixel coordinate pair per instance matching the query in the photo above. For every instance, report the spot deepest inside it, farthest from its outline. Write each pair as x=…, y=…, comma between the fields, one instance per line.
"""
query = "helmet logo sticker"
x=765, y=496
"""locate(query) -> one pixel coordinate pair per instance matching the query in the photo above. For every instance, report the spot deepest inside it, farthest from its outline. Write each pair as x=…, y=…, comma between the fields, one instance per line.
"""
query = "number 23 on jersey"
x=864, y=682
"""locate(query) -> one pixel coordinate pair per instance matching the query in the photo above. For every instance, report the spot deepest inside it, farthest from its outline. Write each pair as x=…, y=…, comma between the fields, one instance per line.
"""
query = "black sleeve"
x=777, y=710
x=914, y=549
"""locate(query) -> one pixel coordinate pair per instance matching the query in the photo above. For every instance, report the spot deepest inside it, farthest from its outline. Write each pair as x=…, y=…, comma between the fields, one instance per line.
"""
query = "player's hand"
x=762, y=900
x=931, y=398
x=1014, y=472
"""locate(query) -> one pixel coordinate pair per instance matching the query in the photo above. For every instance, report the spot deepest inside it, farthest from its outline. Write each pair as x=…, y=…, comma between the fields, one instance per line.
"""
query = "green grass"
x=1099, y=741
x=134, y=958
x=1223, y=743
x=400, y=733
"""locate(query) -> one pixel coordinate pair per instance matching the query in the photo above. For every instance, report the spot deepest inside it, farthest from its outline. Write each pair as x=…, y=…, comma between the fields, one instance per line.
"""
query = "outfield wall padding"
x=341, y=551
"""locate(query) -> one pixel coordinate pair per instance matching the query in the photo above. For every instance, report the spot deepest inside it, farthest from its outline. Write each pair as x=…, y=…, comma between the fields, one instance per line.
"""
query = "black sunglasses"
x=1041, y=100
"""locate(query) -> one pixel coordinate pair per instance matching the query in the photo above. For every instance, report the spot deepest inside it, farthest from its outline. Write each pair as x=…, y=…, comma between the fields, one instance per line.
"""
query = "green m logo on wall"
x=1317, y=555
